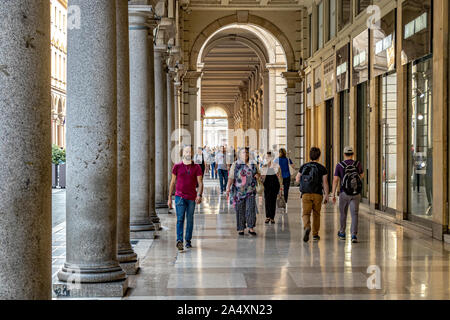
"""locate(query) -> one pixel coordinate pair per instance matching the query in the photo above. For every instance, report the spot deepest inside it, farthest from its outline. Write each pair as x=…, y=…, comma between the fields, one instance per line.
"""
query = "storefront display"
x=360, y=58
x=420, y=169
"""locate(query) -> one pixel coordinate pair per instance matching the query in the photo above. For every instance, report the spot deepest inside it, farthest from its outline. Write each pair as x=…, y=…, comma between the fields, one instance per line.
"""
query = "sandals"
x=267, y=220
x=272, y=221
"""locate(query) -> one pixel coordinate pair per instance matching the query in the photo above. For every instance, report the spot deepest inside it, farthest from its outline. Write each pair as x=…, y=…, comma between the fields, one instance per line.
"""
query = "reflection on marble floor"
x=278, y=265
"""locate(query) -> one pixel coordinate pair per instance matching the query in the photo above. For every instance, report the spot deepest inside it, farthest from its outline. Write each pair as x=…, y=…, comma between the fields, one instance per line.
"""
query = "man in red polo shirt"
x=186, y=176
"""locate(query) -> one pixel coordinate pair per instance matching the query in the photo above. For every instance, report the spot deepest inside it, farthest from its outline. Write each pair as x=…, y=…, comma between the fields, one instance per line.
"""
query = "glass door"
x=362, y=125
x=344, y=122
x=420, y=155
x=329, y=105
x=388, y=142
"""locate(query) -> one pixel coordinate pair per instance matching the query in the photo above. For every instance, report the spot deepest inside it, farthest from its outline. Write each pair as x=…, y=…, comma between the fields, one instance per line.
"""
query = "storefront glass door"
x=420, y=155
x=388, y=142
x=362, y=125
x=329, y=105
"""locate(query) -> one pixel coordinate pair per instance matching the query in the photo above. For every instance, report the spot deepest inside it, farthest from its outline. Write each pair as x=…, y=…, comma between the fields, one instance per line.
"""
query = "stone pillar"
x=161, y=128
x=25, y=174
x=402, y=126
x=125, y=254
x=191, y=88
x=152, y=201
x=272, y=107
x=91, y=208
x=141, y=106
x=440, y=119
x=170, y=122
x=266, y=113
x=293, y=116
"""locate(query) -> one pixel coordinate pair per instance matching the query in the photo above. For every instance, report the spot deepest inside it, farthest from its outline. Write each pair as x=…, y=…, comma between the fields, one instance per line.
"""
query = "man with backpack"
x=313, y=179
x=350, y=173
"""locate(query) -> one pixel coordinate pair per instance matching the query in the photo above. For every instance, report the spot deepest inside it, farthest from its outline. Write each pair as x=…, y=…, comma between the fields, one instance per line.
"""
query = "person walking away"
x=241, y=190
x=222, y=168
x=213, y=164
x=284, y=162
x=313, y=179
x=199, y=159
x=350, y=174
x=185, y=178
x=271, y=175
x=207, y=157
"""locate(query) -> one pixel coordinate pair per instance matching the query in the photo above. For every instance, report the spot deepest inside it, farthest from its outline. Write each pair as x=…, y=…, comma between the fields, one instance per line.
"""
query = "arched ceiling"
x=228, y=61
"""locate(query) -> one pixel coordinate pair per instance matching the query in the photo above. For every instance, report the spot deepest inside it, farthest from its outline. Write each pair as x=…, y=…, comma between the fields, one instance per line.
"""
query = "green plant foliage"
x=58, y=155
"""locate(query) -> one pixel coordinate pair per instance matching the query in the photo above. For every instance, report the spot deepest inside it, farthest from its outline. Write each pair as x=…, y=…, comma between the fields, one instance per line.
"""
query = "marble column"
x=152, y=201
x=266, y=112
x=170, y=122
x=125, y=254
x=161, y=128
x=91, y=207
x=25, y=174
x=141, y=106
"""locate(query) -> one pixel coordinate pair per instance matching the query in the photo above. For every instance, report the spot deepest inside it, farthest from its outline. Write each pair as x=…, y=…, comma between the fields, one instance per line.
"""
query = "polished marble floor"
x=277, y=264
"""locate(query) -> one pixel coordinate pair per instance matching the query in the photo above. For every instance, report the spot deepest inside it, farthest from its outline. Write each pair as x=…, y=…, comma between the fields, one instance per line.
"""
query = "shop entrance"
x=362, y=130
x=329, y=106
x=388, y=142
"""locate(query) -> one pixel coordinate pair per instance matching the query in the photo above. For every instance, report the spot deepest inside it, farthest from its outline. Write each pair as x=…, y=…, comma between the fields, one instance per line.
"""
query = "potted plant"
x=58, y=164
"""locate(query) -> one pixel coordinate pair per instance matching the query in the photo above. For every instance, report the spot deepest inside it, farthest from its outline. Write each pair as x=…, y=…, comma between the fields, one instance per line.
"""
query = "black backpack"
x=310, y=180
x=351, y=183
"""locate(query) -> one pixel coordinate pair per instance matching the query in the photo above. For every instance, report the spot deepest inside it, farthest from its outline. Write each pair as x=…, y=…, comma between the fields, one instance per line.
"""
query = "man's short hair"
x=315, y=153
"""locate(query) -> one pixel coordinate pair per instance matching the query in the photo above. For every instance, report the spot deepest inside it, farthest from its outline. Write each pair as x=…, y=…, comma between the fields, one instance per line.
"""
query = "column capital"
x=291, y=78
x=192, y=77
x=140, y=17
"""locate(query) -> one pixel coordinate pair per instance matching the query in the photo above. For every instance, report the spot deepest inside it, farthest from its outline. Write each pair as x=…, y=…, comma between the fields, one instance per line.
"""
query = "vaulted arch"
x=207, y=32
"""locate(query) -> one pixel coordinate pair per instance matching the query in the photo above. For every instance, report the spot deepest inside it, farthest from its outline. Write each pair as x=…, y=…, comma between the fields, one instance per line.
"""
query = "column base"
x=144, y=235
x=162, y=205
x=149, y=226
x=115, y=289
x=131, y=268
x=128, y=261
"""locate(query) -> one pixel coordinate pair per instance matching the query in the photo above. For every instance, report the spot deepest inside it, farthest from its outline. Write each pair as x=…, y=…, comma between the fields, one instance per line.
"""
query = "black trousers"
x=286, y=186
x=271, y=190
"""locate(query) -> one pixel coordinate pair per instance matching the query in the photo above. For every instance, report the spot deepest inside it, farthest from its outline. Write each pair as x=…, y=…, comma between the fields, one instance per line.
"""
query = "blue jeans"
x=185, y=209
x=223, y=177
x=213, y=171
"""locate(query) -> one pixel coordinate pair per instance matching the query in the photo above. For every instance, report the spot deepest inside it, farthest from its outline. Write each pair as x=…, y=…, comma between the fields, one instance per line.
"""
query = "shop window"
x=345, y=11
x=420, y=153
x=320, y=25
x=344, y=103
x=362, y=5
x=331, y=19
x=310, y=35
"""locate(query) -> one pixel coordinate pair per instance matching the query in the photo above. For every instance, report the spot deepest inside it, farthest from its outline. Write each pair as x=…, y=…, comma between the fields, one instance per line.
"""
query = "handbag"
x=280, y=201
x=259, y=187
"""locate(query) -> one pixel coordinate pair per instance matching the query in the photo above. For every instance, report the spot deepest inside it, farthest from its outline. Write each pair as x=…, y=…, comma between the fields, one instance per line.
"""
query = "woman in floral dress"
x=241, y=191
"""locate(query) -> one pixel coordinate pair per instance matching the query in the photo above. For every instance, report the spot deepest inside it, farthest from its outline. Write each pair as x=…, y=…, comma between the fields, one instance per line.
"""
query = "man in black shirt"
x=313, y=179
